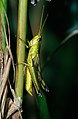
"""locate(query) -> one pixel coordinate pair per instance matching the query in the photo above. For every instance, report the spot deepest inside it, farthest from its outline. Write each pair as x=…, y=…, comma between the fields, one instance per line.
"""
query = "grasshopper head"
x=35, y=40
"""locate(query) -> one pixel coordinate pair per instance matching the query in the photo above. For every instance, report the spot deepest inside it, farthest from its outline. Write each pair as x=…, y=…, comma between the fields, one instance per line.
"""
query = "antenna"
x=42, y=25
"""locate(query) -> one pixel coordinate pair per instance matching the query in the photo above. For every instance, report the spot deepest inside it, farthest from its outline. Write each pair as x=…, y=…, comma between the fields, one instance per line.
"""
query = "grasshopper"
x=33, y=76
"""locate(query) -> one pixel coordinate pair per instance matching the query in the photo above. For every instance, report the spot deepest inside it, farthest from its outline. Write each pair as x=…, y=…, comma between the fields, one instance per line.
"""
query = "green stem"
x=21, y=33
x=43, y=107
x=3, y=6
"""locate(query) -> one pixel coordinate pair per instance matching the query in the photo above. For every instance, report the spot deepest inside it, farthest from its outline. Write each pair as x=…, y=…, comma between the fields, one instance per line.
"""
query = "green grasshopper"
x=33, y=63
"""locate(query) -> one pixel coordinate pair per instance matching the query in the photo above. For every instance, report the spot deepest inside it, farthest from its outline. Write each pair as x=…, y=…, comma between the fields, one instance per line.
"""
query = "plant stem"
x=21, y=33
x=3, y=5
x=43, y=107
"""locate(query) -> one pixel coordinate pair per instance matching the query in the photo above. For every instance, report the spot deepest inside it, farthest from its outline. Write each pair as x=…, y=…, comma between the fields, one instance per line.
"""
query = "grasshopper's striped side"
x=33, y=51
x=31, y=60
